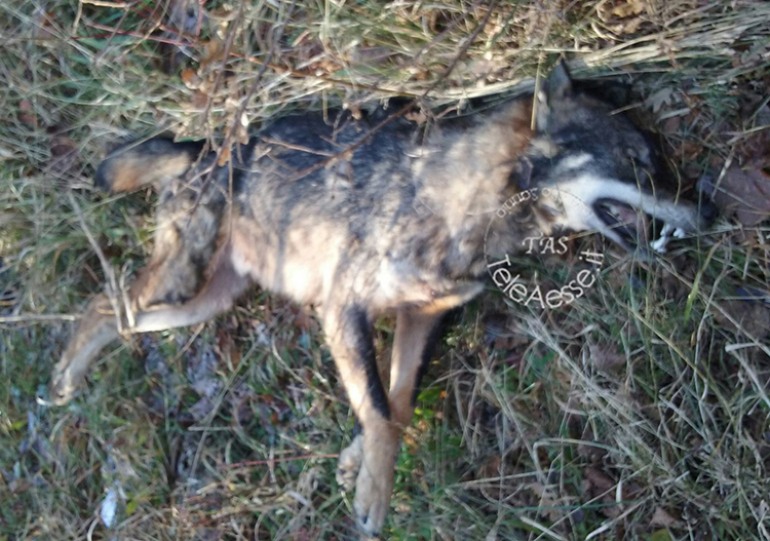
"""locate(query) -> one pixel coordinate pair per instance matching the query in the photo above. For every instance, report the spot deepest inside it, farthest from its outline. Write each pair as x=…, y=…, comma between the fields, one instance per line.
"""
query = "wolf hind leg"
x=98, y=325
x=95, y=330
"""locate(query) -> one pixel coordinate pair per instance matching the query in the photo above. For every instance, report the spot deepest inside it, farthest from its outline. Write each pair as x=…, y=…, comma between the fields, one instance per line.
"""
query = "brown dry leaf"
x=62, y=146
x=752, y=318
x=65, y=155
x=225, y=155
x=490, y=468
x=186, y=16
x=27, y=114
x=605, y=358
x=44, y=27
x=547, y=500
x=305, y=322
x=416, y=116
x=757, y=142
x=627, y=9
x=662, y=518
x=228, y=348
x=185, y=19
x=213, y=53
x=200, y=99
x=745, y=192
x=622, y=17
x=599, y=482
x=190, y=78
x=490, y=471
x=590, y=447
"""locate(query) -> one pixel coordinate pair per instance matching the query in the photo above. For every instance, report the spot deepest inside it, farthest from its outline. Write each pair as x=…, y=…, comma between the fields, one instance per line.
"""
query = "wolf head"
x=605, y=168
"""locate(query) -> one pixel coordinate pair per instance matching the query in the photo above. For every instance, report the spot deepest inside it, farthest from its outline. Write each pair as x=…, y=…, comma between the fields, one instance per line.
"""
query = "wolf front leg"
x=369, y=461
x=98, y=325
x=416, y=331
x=348, y=332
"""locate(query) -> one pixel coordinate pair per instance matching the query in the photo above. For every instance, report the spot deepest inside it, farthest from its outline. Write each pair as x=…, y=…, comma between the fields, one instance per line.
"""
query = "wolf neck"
x=473, y=172
x=468, y=183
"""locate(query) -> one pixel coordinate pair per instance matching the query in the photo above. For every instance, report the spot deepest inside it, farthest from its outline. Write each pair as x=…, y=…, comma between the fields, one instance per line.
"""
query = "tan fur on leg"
x=98, y=326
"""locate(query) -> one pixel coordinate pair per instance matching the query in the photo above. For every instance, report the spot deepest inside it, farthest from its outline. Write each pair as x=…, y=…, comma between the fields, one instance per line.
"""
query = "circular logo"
x=532, y=224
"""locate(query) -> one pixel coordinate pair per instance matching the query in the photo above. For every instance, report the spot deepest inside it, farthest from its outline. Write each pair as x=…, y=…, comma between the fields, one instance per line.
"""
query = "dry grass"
x=641, y=412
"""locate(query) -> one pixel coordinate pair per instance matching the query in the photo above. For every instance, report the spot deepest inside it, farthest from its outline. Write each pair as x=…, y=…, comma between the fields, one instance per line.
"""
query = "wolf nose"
x=708, y=211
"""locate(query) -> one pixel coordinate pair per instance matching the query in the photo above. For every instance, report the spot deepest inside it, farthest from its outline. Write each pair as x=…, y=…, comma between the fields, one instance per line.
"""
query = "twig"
x=119, y=307
x=24, y=318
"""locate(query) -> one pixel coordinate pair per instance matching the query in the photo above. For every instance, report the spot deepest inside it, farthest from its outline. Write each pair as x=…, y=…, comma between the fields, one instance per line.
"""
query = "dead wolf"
x=359, y=222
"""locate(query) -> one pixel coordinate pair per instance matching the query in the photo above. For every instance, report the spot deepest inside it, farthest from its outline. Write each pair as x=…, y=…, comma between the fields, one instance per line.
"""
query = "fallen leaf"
x=628, y=9
x=752, y=318
x=548, y=500
x=186, y=16
x=200, y=100
x=213, y=53
x=600, y=482
x=743, y=192
x=65, y=155
x=225, y=155
x=27, y=114
x=657, y=100
x=622, y=16
x=662, y=518
x=190, y=78
x=605, y=358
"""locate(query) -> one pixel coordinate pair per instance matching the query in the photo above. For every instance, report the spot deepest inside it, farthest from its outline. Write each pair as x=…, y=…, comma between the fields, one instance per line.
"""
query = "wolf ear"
x=556, y=87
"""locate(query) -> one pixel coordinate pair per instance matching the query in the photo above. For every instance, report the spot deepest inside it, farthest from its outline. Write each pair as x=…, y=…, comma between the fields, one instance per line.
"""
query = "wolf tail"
x=146, y=162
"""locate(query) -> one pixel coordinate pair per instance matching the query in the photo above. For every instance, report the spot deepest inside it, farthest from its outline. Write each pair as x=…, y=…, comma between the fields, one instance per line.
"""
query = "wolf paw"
x=62, y=387
x=349, y=463
x=373, y=491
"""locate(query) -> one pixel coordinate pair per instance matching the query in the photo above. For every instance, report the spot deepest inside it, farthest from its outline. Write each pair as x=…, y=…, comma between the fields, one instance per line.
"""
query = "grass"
x=639, y=412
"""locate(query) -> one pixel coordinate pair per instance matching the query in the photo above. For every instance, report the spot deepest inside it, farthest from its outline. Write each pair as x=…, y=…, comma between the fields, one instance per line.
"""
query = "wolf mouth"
x=627, y=221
